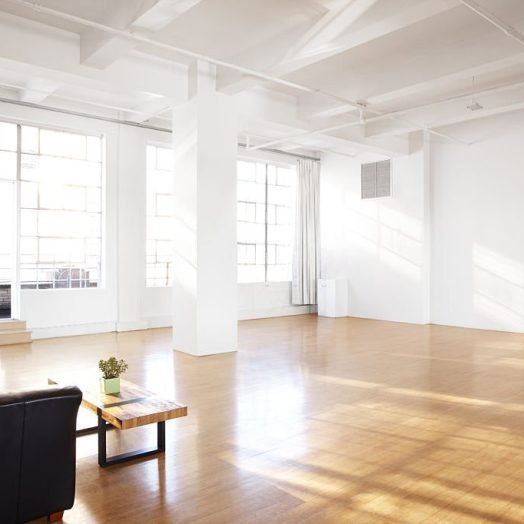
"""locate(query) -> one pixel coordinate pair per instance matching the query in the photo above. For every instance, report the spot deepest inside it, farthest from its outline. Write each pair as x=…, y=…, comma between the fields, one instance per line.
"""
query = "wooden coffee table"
x=131, y=408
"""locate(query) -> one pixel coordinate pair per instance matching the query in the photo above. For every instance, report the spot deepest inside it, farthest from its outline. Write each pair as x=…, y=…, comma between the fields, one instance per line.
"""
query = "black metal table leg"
x=101, y=430
x=161, y=436
x=104, y=460
x=102, y=455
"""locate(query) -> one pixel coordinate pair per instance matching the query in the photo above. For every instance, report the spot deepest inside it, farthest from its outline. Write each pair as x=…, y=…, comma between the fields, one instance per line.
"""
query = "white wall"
x=378, y=245
x=478, y=238
x=448, y=246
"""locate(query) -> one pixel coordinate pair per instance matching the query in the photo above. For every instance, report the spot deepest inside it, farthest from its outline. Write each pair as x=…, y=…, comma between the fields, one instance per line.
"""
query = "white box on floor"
x=332, y=298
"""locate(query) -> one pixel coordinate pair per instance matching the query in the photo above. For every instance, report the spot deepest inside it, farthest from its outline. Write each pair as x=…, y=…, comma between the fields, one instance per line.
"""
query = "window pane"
x=30, y=139
x=246, y=171
x=160, y=212
x=164, y=159
x=164, y=205
x=94, y=149
x=29, y=195
x=250, y=273
x=7, y=165
x=64, y=145
x=246, y=253
x=246, y=211
x=7, y=136
x=279, y=273
x=93, y=199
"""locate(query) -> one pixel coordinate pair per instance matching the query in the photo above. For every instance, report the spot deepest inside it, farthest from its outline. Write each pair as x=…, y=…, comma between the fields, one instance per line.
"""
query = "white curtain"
x=306, y=254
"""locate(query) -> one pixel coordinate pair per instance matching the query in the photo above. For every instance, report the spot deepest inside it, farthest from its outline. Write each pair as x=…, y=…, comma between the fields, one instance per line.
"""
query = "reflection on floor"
x=313, y=420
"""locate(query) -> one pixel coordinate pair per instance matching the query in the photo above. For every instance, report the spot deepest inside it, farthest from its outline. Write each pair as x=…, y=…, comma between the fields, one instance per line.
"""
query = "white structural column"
x=205, y=263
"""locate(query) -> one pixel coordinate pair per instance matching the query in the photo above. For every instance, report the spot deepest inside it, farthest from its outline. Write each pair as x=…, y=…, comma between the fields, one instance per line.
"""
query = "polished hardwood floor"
x=312, y=420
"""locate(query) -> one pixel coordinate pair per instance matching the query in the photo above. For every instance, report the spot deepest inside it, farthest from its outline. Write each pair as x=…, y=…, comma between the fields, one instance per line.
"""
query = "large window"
x=61, y=178
x=8, y=148
x=159, y=249
x=266, y=201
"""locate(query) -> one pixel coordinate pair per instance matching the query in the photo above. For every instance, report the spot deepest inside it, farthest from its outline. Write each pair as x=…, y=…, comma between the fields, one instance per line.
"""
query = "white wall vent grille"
x=375, y=179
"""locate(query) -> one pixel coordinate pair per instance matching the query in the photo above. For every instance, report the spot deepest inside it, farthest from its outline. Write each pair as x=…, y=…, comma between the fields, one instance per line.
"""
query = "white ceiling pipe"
x=78, y=113
x=507, y=29
x=356, y=123
x=392, y=114
x=197, y=56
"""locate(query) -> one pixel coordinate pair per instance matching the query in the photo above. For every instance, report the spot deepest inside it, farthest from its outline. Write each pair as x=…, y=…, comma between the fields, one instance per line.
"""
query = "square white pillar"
x=205, y=259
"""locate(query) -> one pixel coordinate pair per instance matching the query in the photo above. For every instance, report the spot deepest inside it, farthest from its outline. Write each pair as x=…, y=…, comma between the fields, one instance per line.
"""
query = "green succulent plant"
x=112, y=368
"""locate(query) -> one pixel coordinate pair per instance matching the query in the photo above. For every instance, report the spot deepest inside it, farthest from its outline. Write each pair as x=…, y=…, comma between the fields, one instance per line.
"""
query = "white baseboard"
x=72, y=330
x=133, y=325
x=98, y=327
x=285, y=311
x=154, y=322
x=159, y=322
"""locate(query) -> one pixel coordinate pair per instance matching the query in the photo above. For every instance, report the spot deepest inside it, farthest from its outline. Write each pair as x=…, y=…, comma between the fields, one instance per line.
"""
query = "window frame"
x=170, y=274
x=101, y=280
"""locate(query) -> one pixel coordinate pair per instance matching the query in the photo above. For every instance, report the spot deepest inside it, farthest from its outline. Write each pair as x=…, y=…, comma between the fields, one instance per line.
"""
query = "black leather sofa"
x=37, y=453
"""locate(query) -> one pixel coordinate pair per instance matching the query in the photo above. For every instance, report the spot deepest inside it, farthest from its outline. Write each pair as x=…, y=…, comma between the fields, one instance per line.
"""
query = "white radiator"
x=333, y=297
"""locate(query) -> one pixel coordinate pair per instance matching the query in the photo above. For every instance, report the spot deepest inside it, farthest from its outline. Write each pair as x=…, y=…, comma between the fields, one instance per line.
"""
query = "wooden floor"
x=313, y=420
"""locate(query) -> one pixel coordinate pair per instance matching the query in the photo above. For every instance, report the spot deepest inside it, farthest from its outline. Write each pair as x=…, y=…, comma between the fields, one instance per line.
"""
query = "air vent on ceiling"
x=375, y=179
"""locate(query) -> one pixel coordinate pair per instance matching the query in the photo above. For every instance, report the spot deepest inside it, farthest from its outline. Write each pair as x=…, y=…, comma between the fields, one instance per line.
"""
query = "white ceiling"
x=422, y=60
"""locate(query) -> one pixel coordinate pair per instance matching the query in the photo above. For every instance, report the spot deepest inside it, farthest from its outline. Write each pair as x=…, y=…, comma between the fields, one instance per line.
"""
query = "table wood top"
x=132, y=407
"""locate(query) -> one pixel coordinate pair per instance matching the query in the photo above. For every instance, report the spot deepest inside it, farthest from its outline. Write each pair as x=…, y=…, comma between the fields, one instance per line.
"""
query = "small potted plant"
x=111, y=370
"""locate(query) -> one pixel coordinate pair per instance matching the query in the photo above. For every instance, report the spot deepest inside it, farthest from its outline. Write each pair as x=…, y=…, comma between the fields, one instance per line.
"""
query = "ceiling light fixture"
x=474, y=105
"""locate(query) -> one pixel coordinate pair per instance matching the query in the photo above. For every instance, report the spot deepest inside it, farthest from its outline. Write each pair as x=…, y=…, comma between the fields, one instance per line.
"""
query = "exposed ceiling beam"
x=99, y=49
x=53, y=57
x=458, y=118
x=421, y=10
x=150, y=110
x=452, y=109
x=129, y=112
x=330, y=25
x=506, y=28
x=259, y=129
x=161, y=14
x=198, y=56
x=386, y=123
x=338, y=127
x=313, y=107
x=334, y=23
x=37, y=90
